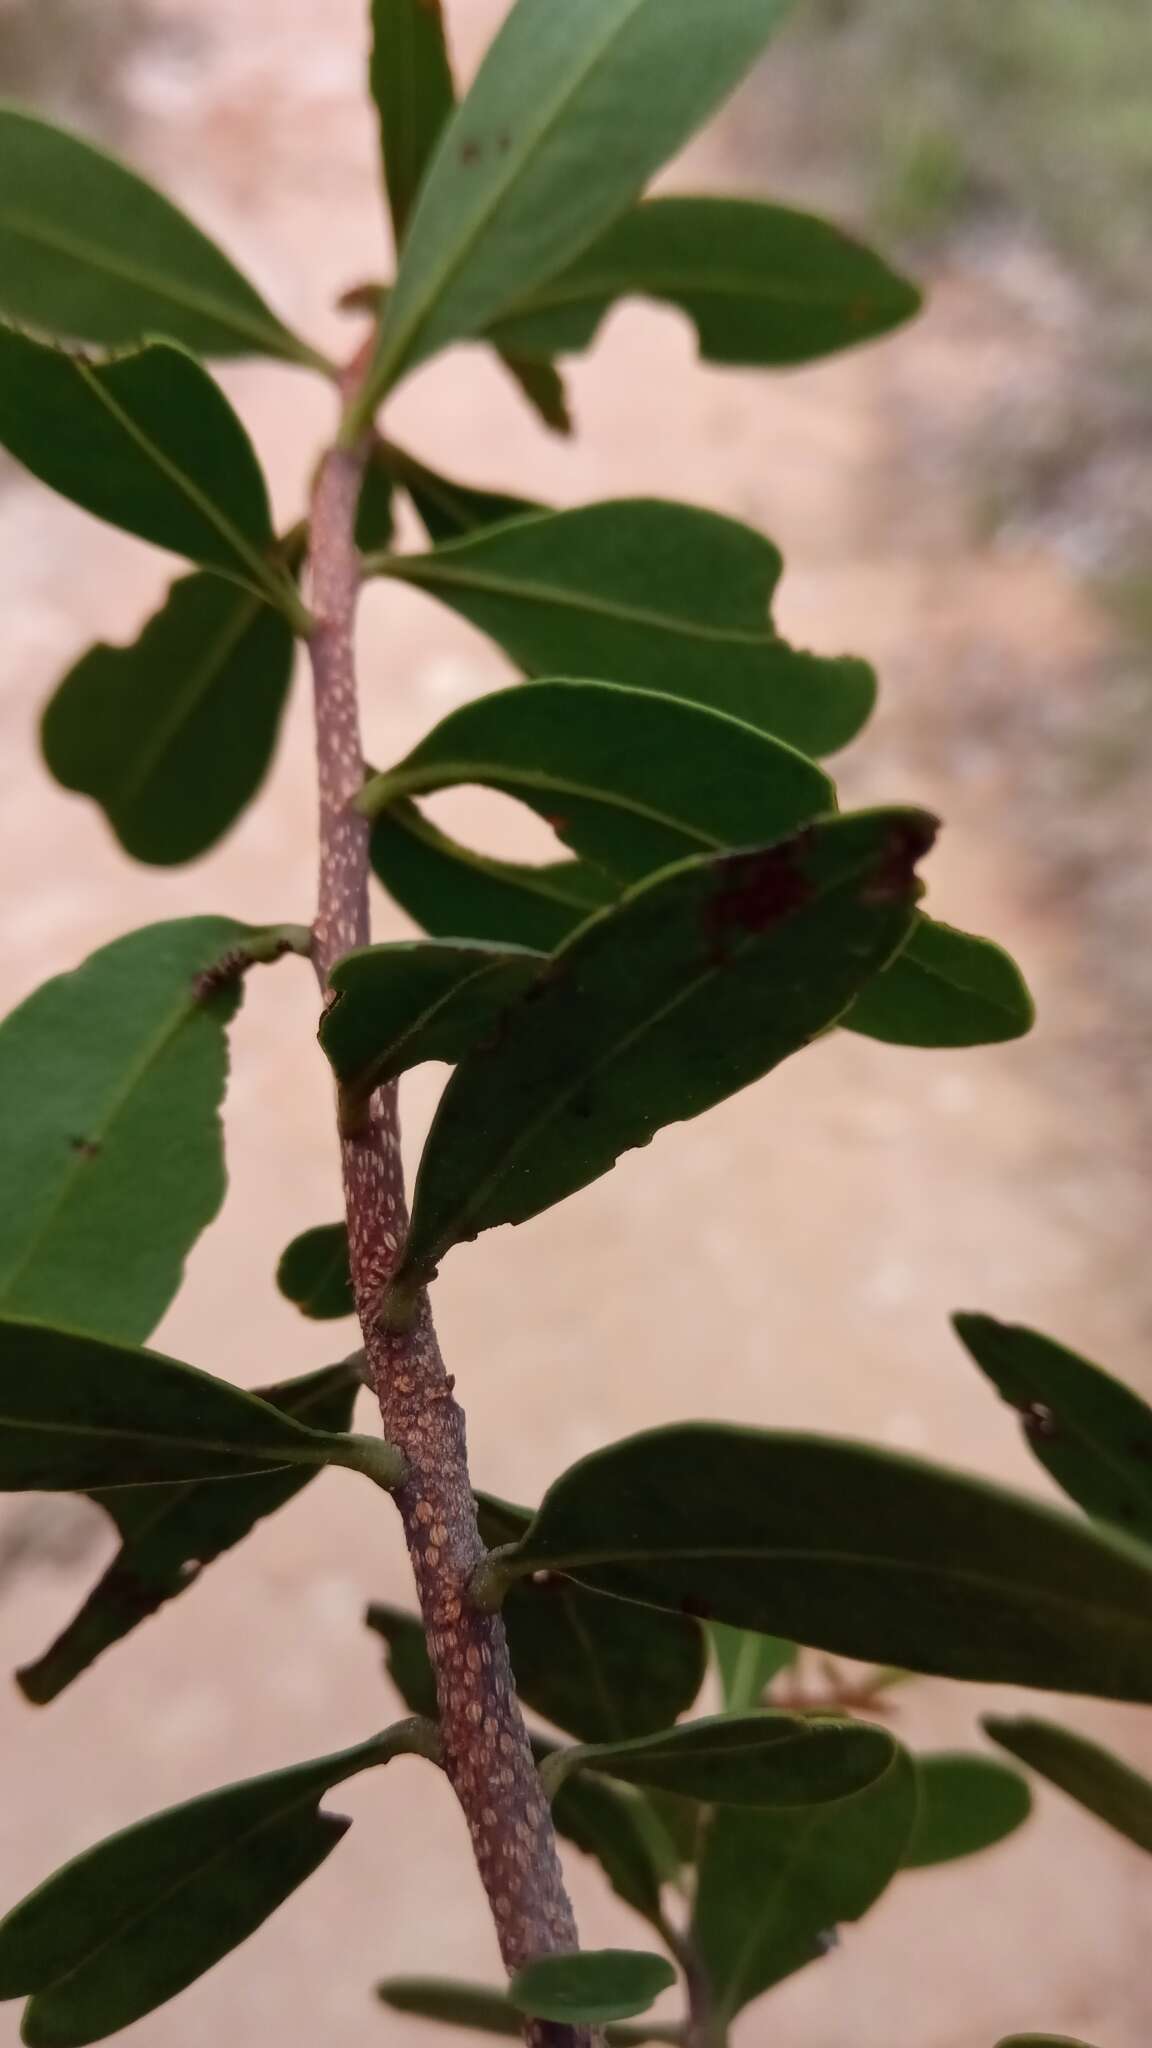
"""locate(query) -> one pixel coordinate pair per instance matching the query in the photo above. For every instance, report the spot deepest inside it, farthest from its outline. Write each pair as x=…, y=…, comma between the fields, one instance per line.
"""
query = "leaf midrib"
x=655, y=282
x=183, y=702
x=537, y=881
x=426, y=778
x=432, y=569
x=283, y=1455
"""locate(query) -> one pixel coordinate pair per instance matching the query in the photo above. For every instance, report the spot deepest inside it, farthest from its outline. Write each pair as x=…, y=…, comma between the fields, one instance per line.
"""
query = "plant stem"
x=485, y=1750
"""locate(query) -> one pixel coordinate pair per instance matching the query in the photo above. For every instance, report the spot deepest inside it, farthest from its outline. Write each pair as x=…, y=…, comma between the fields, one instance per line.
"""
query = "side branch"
x=485, y=1749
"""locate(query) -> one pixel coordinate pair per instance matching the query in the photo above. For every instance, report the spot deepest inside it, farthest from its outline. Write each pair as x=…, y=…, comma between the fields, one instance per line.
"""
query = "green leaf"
x=78, y=1415
x=91, y=252
x=1092, y=1433
x=588, y=1989
x=762, y=1759
x=174, y=734
x=541, y=384
x=1111, y=1790
x=774, y=1888
x=314, y=1273
x=967, y=1804
x=486, y=2011
x=453, y=892
x=945, y=989
x=411, y=79
x=401, y=1004
x=169, y=1533
x=146, y=441
x=111, y=1080
x=124, y=1927
x=572, y=112
x=448, y=509
x=376, y=512
x=865, y=1553
x=1042, y=2041
x=747, y=1664
x=657, y=595
x=628, y=779
x=409, y=1666
x=701, y=981
x=762, y=284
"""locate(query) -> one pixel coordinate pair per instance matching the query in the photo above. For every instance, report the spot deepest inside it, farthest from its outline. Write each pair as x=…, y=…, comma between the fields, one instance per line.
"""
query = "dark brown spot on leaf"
x=471, y=152
x=907, y=842
x=754, y=891
x=89, y=1148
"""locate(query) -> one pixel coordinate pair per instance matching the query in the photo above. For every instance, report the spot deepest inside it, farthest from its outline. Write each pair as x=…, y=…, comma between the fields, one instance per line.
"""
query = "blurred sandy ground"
x=792, y=1258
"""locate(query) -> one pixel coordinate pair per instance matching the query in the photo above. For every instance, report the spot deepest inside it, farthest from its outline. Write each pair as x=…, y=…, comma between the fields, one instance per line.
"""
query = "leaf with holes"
x=169, y=1533
x=967, y=1804
x=96, y=1215
x=774, y=1887
x=946, y=988
x=314, y=1273
x=1092, y=1433
x=651, y=594
x=761, y=1759
x=124, y=1927
x=91, y=252
x=454, y=892
x=173, y=734
x=763, y=285
x=1112, y=1790
x=573, y=110
x=865, y=1553
x=590, y=1988
x=698, y=983
x=146, y=441
x=627, y=779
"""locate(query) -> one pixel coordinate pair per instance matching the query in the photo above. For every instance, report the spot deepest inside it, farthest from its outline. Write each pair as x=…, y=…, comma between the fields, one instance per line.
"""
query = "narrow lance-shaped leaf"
x=315, y=1273
x=573, y=110
x=487, y=2011
x=774, y=1888
x=628, y=779
x=1112, y=1790
x=590, y=1988
x=454, y=892
x=168, y=1534
x=111, y=1080
x=946, y=988
x=1042, y=2041
x=762, y=284
x=174, y=734
x=124, y=1927
x=1092, y=1433
x=449, y=509
x=399, y=1005
x=146, y=441
x=656, y=595
x=698, y=983
x=966, y=1804
x=411, y=79
x=762, y=1759
x=90, y=252
x=747, y=1663
x=78, y=1415
x=865, y=1553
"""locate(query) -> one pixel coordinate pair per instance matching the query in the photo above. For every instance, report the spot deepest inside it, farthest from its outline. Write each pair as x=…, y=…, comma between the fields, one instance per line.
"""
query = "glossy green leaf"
x=78, y=1415
x=376, y=512
x=146, y=441
x=700, y=981
x=761, y=1759
x=762, y=284
x=774, y=1888
x=90, y=252
x=747, y=1664
x=449, y=509
x=590, y=1988
x=573, y=110
x=1042, y=2041
x=401, y=1004
x=865, y=1553
x=454, y=892
x=411, y=79
x=626, y=778
x=541, y=384
x=1111, y=1790
x=487, y=2011
x=124, y=1927
x=967, y=1803
x=169, y=1533
x=173, y=734
x=314, y=1273
x=1092, y=1433
x=111, y=1080
x=655, y=595
x=946, y=988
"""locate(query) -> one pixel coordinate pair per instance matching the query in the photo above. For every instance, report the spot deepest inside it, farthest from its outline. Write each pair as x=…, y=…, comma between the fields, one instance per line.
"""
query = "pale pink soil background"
x=792, y=1258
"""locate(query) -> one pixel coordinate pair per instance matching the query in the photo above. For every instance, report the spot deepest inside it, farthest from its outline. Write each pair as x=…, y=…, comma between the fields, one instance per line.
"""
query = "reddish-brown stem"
x=486, y=1753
